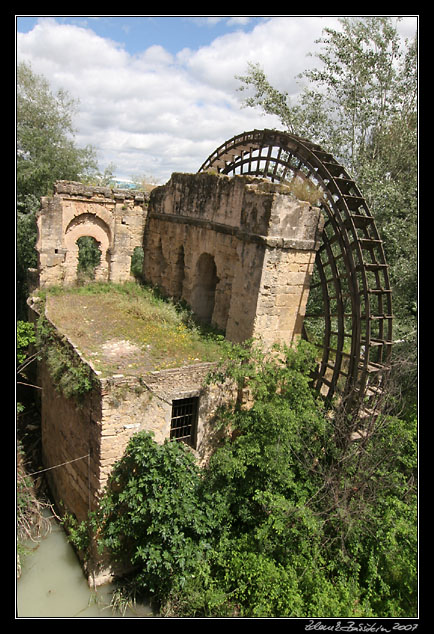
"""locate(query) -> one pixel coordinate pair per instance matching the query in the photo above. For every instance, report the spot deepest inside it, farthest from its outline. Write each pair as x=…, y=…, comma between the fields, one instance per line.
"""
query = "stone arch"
x=87, y=224
x=204, y=289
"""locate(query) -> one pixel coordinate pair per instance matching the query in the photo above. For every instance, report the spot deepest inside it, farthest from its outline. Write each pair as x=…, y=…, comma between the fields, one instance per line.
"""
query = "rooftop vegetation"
x=130, y=327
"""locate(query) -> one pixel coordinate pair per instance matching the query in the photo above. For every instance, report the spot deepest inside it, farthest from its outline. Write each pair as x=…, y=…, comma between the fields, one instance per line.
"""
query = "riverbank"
x=52, y=585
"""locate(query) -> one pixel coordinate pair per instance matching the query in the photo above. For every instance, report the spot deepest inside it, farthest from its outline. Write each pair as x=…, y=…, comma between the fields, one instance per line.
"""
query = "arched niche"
x=204, y=289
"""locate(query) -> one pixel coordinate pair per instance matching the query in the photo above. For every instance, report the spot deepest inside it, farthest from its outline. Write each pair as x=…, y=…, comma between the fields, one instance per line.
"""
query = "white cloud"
x=141, y=112
x=280, y=45
x=156, y=113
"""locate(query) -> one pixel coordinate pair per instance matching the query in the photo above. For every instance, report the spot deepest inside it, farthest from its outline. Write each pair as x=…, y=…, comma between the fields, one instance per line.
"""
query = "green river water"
x=52, y=585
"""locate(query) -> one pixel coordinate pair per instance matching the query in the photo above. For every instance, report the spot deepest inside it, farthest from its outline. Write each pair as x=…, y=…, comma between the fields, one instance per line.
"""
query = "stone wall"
x=88, y=436
x=114, y=218
x=240, y=251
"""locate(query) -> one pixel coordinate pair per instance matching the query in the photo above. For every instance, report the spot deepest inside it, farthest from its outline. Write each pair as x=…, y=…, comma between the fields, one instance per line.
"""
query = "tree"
x=360, y=86
x=360, y=104
x=46, y=152
x=289, y=518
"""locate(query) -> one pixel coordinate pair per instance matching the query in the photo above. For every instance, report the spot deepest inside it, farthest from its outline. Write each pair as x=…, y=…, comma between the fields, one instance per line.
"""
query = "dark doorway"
x=206, y=281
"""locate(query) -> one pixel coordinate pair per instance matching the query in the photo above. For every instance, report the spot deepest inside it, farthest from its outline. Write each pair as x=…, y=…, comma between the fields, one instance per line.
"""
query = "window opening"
x=184, y=420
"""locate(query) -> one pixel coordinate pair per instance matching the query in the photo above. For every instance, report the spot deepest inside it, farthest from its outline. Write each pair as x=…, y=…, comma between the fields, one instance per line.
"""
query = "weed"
x=163, y=334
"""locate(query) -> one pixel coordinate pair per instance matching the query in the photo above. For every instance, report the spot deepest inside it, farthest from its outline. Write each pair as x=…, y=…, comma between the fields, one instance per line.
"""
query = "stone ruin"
x=239, y=250
x=114, y=218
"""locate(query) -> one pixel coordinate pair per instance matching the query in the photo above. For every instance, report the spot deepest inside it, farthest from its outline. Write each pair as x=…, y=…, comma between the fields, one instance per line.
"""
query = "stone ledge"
x=268, y=241
x=76, y=189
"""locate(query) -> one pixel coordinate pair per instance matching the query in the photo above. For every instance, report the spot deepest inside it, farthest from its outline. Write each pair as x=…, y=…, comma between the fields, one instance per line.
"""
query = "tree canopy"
x=288, y=519
x=46, y=149
x=360, y=104
x=46, y=152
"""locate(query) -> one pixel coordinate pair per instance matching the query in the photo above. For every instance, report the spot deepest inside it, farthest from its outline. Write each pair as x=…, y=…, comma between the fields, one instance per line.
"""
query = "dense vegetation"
x=289, y=518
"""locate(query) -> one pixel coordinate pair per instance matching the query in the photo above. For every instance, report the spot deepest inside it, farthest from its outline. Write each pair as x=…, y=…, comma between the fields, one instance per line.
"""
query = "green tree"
x=360, y=86
x=151, y=515
x=89, y=257
x=46, y=152
x=360, y=104
x=289, y=518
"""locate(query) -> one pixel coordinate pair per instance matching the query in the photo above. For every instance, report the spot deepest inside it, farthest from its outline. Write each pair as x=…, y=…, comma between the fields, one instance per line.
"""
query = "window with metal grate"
x=184, y=420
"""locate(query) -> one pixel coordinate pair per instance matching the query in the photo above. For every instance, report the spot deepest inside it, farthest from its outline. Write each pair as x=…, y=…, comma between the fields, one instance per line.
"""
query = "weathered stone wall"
x=131, y=404
x=239, y=251
x=114, y=218
x=88, y=436
x=70, y=432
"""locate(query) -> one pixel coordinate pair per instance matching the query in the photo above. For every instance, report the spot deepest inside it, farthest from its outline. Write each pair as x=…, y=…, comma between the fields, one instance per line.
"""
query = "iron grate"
x=184, y=420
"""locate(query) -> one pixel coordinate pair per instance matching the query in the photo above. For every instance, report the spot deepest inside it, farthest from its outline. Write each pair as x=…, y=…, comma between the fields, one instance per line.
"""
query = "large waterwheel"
x=349, y=314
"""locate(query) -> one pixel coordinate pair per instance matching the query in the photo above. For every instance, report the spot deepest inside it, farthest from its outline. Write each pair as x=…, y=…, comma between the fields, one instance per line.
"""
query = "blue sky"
x=136, y=33
x=158, y=94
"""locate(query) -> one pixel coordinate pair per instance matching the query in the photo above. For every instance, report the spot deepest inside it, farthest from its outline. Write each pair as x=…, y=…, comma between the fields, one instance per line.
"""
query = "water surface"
x=52, y=584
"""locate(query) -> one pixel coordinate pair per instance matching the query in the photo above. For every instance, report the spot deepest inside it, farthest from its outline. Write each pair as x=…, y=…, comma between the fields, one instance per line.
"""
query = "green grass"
x=163, y=334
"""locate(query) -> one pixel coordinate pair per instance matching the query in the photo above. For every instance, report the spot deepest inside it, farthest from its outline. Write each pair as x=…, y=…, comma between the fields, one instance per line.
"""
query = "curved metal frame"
x=351, y=271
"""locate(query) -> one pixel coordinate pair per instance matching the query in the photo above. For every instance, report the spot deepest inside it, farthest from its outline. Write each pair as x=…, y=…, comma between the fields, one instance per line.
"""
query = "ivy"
x=25, y=337
x=73, y=378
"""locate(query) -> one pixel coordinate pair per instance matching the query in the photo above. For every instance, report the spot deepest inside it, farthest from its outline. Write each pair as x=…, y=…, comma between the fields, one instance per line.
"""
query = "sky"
x=158, y=94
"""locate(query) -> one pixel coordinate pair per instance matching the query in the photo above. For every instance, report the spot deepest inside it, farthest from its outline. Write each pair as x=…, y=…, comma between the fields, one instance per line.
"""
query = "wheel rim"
x=351, y=282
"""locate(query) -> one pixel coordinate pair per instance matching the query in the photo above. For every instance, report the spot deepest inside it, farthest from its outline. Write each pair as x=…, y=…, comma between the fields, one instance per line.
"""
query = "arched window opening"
x=205, y=285
x=161, y=265
x=89, y=258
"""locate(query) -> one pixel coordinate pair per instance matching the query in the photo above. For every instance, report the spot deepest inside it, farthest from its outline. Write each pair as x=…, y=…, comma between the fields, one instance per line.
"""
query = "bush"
x=25, y=337
x=284, y=521
x=151, y=515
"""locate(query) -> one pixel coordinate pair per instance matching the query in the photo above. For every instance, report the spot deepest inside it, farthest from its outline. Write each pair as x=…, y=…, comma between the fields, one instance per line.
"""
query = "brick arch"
x=87, y=224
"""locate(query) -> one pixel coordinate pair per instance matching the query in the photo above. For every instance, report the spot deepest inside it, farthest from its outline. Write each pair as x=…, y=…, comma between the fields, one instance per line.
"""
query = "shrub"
x=284, y=521
x=151, y=515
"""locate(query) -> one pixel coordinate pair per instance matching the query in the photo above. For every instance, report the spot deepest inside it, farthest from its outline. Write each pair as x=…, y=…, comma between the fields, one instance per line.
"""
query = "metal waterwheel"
x=349, y=314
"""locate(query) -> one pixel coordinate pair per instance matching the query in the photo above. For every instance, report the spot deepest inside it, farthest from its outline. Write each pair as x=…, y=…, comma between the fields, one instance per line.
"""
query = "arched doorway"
x=206, y=280
x=89, y=258
x=87, y=240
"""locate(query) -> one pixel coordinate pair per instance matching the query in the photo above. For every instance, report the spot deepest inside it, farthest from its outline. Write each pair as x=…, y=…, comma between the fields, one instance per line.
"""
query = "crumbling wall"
x=114, y=218
x=83, y=437
x=239, y=250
